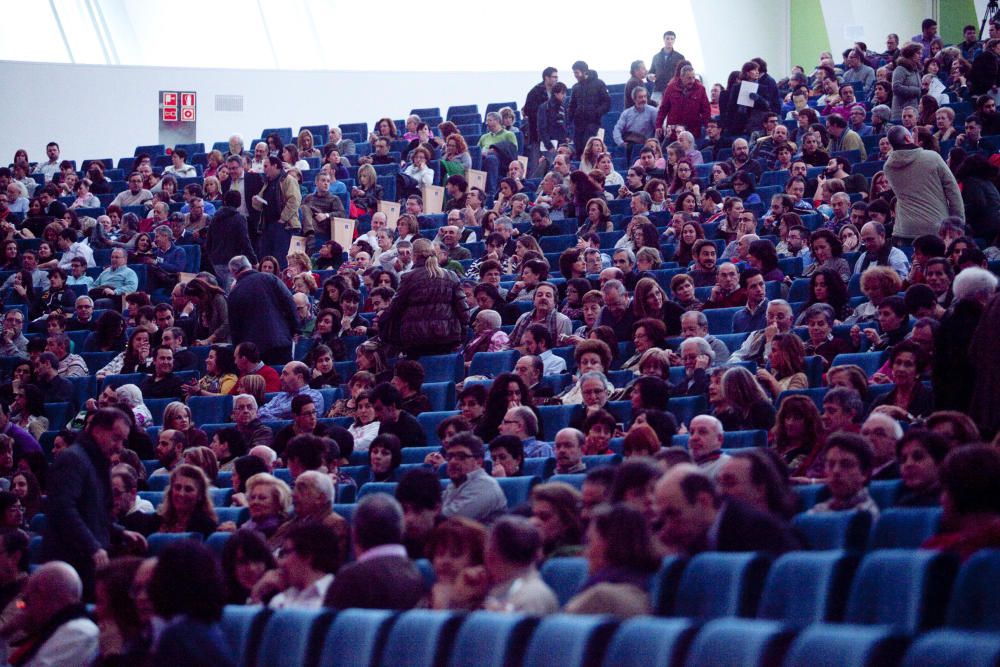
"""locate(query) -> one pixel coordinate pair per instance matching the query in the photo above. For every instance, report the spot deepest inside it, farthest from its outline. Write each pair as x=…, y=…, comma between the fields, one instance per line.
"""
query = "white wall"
x=849, y=21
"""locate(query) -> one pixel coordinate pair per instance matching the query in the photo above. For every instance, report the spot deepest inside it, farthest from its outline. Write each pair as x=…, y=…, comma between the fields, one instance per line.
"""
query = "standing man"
x=261, y=311
x=278, y=201
x=685, y=103
x=664, y=66
x=926, y=190
x=537, y=96
x=79, y=529
x=589, y=101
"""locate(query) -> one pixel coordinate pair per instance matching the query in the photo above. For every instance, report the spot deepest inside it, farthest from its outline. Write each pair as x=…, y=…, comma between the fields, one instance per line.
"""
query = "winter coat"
x=926, y=192
x=590, y=100
x=425, y=310
x=689, y=108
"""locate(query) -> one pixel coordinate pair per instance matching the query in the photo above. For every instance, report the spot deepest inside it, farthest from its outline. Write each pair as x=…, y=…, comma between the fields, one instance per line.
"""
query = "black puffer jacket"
x=589, y=100
x=425, y=310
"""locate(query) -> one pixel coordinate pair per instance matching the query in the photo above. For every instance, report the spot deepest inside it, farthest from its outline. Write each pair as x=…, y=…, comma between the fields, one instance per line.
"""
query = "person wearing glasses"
x=472, y=493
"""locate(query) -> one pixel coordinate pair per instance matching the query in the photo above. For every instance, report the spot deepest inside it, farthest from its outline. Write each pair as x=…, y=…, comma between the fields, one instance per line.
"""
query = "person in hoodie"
x=589, y=101
x=227, y=237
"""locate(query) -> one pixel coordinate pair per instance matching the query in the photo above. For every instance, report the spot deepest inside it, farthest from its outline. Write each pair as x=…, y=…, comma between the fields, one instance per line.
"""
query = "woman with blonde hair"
x=591, y=154
x=187, y=506
x=177, y=417
x=204, y=459
x=598, y=217
x=252, y=384
x=428, y=314
x=270, y=502
x=305, y=144
x=366, y=195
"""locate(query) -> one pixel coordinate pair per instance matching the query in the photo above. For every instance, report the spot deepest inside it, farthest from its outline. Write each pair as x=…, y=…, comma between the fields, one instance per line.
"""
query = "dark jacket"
x=664, y=66
x=79, y=506
x=982, y=206
x=536, y=97
x=168, y=386
x=385, y=582
x=406, y=428
x=954, y=372
x=227, y=237
x=426, y=310
x=689, y=107
x=985, y=73
x=590, y=100
x=194, y=644
x=744, y=528
x=551, y=122
x=261, y=310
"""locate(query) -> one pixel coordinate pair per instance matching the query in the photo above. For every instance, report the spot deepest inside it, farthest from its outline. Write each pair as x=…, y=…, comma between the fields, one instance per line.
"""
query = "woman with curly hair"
x=598, y=217
x=507, y=391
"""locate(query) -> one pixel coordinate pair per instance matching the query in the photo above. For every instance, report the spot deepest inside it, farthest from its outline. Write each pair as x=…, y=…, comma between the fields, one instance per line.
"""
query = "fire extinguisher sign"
x=178, y=106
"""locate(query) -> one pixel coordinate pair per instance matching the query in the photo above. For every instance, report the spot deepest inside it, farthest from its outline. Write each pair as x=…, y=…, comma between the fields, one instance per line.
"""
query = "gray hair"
x=974, y=282
x=527, y=417
x=819, y=309
x=615, y=285
x=899, y=136
x=840, y=195
x=163, y=230
x=239, y=263
x=83, y=299
x=779, y=302
x=490, y=317
x=245, y=397
x=702, y=345
x=504, y=222
x=593, y=375
x=129, y=394
x=700, y=319
x=493, y=115
x=635, y=91
x=628, y=254
x=378, y=520
x=644, y=197
x=323, y=483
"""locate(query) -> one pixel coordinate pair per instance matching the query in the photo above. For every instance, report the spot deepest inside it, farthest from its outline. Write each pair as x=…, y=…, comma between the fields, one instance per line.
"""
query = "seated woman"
x=507, y=391
x=246, y=558
x=28, y=410
x=205, y=459
x=177, y=416
x=242, y=467
x=572, y=305
x=455, y=544
x=919, y=454
x=24, y=484
x=878, y=283
x=220, y=374
x=894, y=325
x=827, y=252
x=487, y=336
x=747, y=405
x=787, y=364
x=415, y=175
x=365, y=426
x=385, y=455
x=619, y=551
x=186, y=507
x=909, y=399
x=797, y=436
x=764, y=258
x=324, y=373
x=599, y=427
x=590, y=356
x=57, y=297
x=360, y=382
x=691, y=233
x=649, y=333
x=828, y=288
x=270, y=503
x=641, y=441
x=683, y=290
x=592, y=302
x=651, y=302
x=507, y=454
x=555, y=509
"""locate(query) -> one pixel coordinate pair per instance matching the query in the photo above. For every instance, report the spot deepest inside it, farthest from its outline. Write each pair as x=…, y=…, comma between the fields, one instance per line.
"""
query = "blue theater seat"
x=716, y=585
x=822, y=645
x=575, y=480
x=975, y=606
x=492, y=364
x=572, y=641
x=806, y=587
x=356, y=637
x=242, y=627
x=420, y=637
x=377, y=487
x=443, y=368
x=538, y=466
x=835, y=530
x=642, y=641
x=738, y=641
x=290, y=637
x=441, y=395
x=216, y=542
x=950, y=648
x=565, y=576
x=488, y=639
x=905, y=527
x=517, y=489
x=158, y=541
x=904, y=588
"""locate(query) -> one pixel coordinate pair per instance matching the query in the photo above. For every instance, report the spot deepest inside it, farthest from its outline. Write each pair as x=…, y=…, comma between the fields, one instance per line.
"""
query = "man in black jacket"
x=80, y=530
x=589, y=101
x=693, y=517
x=383, y=577
x=537, y=96
x=261, y=310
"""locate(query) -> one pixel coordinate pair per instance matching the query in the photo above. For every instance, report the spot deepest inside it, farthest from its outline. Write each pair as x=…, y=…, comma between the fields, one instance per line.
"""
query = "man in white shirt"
x=71, y=248
x=307, y=560
x=135, y=195
x=52, y=166
x=537, y=340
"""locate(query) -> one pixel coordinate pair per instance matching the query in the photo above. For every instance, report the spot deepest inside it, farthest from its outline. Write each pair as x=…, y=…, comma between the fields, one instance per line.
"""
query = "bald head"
x=50, y=589
x=899, y=137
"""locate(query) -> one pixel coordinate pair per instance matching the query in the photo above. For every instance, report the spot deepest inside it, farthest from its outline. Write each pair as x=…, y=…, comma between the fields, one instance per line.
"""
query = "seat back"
x=517, y=489
x=821, y=645
x=950, y=647
x=905, y=527
x=420, y=637
x=974, y=606
x=572, y=641
x=738, y=641
x=805, y=587
x=157, y=542
x=356, y=637
x=834, y=530
x=241, y=628
x=291, y=637
x=902, y=587
x=717, y=584
x=565, y=576
x=663, y=588
x=487, y=639
x=643, y=640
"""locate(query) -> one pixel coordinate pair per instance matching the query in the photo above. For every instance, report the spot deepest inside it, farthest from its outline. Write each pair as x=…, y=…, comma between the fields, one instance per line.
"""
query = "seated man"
x=544, y=312
x=883, y=432
x=306, y=564
x=509, y=581
x=250, y=426
x=694, y=323
x=757, y=347
x=705, y=444
x=843, y=410
x=419, y=493
x=408, y=377
x=305, y=453
x=170, y=446
x=54, y=387
x=70, y=365
x=537, y=340
x=12, y=340
x=124, y=489
x=728, y=291
x=313, y=494
x=531, y=368
x=184, y=359
x=83, y=315
x=387, y=402
x=569, y=452
x=696, y=356
x=228, y=445
x=753, y=316
x=305, y=421
x=522, y=423
x=703, y=270
x=295, y=378
x=248, y=362
x=382, y=577
x=472, y=493
x=117, y=279
x=163, y=383
x=53, y=620
x=694, y=517
x=848, y=465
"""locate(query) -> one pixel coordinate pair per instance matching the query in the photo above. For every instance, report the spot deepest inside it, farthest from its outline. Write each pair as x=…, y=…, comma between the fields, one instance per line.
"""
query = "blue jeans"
x=274, y=241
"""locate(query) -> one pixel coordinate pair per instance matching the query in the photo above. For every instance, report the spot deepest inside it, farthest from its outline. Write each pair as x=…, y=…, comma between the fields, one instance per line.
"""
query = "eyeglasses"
x=457, y=456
